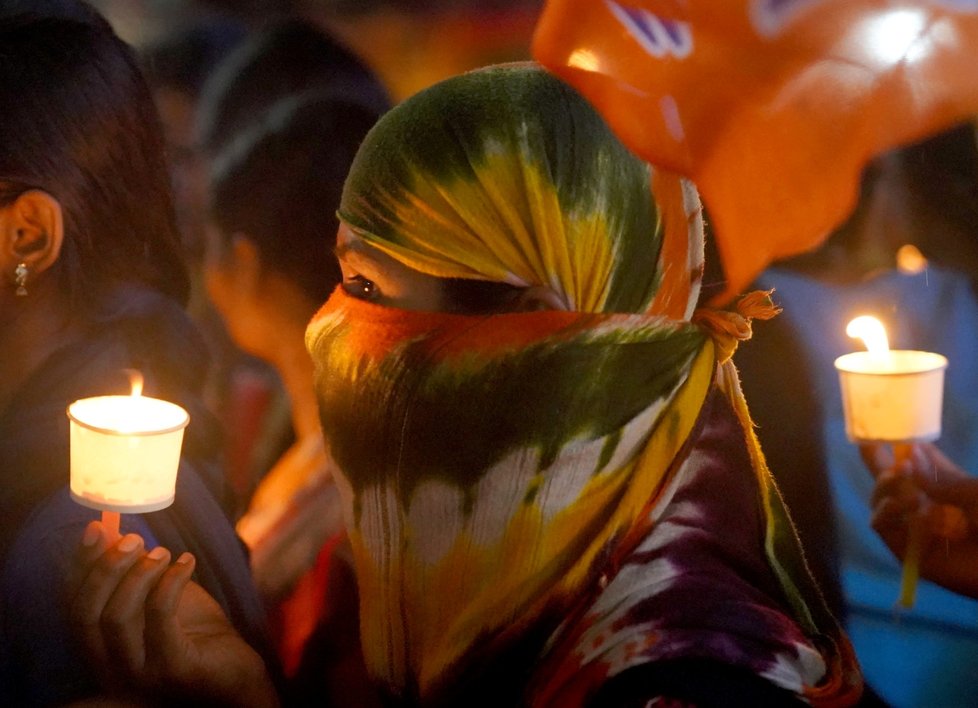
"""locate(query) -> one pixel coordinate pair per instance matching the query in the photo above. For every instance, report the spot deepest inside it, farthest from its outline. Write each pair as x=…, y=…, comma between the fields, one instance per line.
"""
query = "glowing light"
x=890, y=395
x=871, y=331
x=891, y=38
x=910, y=260
x=135, y=381
x=125, y=451
x=583, y=59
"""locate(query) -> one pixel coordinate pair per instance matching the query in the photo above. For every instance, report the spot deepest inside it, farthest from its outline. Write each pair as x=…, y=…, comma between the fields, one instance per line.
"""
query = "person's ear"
x=537, y=298
x=31, y=233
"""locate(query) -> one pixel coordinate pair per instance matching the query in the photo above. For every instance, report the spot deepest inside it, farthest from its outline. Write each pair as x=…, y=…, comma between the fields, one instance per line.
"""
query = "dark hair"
x=74, y=10
x=184, y=58
x=287, y=58
x=280, y=183
x=78, y=122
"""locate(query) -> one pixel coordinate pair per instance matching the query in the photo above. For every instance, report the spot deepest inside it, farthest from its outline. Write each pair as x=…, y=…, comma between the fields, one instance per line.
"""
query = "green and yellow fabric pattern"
x=495, y=469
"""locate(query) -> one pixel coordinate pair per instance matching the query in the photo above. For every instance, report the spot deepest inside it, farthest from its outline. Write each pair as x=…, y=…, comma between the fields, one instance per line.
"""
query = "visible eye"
x=359, y=287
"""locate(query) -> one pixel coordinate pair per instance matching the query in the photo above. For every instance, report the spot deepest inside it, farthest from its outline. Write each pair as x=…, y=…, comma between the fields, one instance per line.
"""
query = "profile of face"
x=237, y=280
x=232, y=276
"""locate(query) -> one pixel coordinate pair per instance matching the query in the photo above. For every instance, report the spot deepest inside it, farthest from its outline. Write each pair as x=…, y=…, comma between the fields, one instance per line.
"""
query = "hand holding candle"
x=125, y=451
x=944, y=497
x=892, y=396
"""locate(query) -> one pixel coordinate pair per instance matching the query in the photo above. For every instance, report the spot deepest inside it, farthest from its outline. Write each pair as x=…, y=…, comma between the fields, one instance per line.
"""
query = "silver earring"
x=20, y=278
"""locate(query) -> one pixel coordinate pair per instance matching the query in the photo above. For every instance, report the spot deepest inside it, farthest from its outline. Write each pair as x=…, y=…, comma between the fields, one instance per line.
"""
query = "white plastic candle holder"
x=125, y=451
x=892, y=396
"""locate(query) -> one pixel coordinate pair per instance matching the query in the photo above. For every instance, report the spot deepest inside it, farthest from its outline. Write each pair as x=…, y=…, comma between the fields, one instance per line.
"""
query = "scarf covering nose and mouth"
x=500, y=472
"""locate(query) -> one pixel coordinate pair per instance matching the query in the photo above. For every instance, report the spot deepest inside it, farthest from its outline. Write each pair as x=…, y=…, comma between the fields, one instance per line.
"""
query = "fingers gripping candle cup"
x=892, y=396
x=125, y=451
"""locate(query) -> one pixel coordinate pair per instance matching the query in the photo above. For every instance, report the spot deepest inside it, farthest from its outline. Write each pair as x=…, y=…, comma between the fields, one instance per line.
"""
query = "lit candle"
x=892, y=396
x=125, y=451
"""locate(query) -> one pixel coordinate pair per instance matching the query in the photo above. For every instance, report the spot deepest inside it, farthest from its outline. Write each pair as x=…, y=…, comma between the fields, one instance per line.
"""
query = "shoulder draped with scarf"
x=527, y=494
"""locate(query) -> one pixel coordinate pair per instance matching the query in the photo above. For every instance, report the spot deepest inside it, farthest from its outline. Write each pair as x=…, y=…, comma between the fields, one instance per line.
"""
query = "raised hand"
x=149, y=630
x=928, y=489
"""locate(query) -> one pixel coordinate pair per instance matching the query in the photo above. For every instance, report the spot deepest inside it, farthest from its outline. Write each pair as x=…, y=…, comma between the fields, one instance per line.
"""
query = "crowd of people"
x=511, y=460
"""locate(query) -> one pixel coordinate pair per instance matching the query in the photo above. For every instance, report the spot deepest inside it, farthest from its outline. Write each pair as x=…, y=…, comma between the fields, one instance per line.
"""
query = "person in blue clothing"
x=926, y=195
x=92, y=283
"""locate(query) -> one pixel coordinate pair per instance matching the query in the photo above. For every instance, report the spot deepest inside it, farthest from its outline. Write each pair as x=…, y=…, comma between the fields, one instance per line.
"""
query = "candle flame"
x=135, y=381
x=910, y=260
x=871, y=331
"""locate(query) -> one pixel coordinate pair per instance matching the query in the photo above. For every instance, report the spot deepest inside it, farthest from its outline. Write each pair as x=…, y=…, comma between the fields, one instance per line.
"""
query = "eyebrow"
x=354, y=248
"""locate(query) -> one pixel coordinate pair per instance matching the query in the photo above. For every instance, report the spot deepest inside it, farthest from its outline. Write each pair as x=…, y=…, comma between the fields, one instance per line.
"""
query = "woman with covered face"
x=549, y=479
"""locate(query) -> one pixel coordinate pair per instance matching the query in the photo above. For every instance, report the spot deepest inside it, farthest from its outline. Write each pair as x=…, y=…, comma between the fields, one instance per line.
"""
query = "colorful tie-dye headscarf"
x=500, y=473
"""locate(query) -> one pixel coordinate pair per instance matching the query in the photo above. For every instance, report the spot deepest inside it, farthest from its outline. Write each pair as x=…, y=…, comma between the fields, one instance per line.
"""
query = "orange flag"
x=772, y=107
